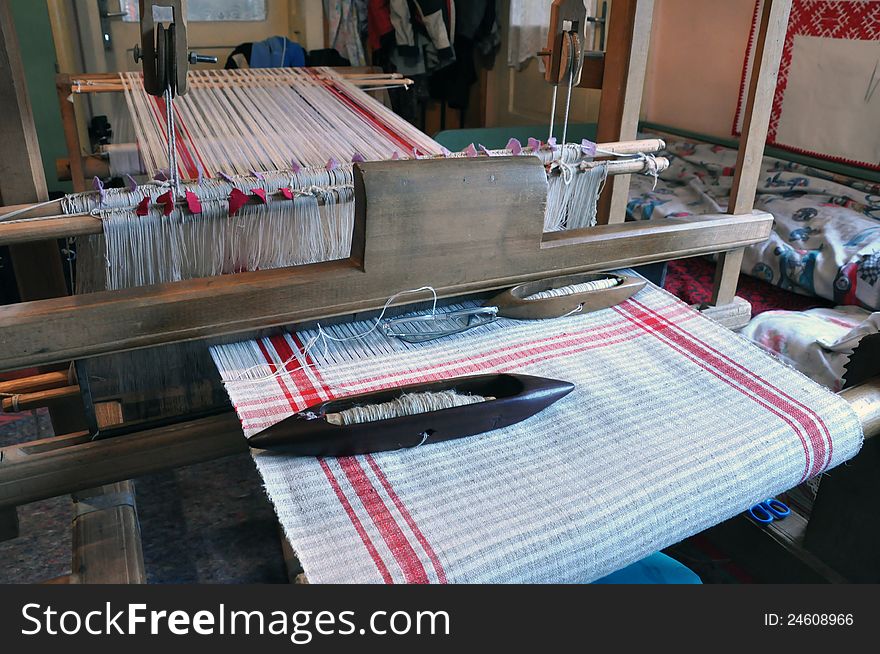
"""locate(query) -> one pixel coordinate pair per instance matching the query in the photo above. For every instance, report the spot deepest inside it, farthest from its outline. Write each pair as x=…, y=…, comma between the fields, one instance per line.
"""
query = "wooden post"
x=37, y=266
x=106, y=534
x=71, y=133
x=759, y=103
x=626, y=60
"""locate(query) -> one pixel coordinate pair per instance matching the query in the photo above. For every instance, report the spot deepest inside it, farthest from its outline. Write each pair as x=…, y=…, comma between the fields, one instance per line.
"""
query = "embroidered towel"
x=675, y=424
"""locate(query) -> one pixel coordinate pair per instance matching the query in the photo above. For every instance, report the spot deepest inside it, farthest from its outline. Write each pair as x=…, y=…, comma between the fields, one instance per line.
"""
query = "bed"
x=814, y=285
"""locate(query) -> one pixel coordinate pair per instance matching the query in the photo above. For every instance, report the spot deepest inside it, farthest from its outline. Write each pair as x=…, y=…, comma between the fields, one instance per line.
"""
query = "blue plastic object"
x=767, y=511
x=655, y=569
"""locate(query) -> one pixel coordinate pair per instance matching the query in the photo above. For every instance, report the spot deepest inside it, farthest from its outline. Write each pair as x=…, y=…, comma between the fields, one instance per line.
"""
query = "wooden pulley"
x=566, y=16
x=163, y=47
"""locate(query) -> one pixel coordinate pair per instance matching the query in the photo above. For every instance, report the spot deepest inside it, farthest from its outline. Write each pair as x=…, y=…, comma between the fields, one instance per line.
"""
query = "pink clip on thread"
x=485, y=150
x=515, y=147
x=294, y=166
x=225, y=177
x=259, y=193
x=534, y=144
x=130, y=183
x=260, y=176
x=287, y=193
x=167, y=202
x=445, y=151
x=551, y=143
x=98, y=185
x=395, y=156
x=357, y=157
x=470, y=150
x=193, y=203
x=237, y=200
x=332, y=164
x=143, y=207
x=588, y=148
x=161, y=176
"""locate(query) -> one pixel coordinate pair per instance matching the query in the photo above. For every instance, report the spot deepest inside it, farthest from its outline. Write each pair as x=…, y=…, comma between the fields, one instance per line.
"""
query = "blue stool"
x=655, y=569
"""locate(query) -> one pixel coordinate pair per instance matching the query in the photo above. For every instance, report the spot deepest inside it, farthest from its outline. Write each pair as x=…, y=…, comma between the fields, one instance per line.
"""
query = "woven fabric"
x=675, y=424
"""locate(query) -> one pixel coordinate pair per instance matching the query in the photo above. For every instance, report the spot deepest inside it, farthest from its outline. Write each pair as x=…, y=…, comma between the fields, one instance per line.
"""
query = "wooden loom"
x=406, y=211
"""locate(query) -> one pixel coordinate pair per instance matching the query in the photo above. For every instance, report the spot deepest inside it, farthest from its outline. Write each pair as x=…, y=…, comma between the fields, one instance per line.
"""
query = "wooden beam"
x=66, y=464
x=414, y=213
x=625, y=64
x=865, y=399
x=759, y=103
x=27, y=401
x=35, y=383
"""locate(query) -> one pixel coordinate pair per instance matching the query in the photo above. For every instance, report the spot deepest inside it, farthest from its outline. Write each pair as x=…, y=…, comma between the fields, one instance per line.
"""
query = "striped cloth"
x=675, y=424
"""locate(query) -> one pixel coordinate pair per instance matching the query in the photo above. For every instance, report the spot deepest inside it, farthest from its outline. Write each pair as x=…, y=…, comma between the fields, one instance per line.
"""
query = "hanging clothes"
x=274, y=52
x=346, y=21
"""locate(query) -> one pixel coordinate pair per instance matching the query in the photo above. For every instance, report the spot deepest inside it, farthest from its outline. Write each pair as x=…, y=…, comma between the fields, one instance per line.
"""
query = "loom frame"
x=56, y=330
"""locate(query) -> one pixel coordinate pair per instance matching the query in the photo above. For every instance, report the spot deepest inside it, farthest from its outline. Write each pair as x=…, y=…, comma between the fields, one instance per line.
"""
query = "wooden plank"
x=76, y=463
x=759, y=103
x=735, y=315
x=407, y=213
x=626, y=62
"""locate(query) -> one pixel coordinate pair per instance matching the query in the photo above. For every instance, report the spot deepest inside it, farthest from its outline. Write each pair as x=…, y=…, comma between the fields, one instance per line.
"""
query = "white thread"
x=324, y=337
x=572, y=289
x=408, y=404
x=30, y=207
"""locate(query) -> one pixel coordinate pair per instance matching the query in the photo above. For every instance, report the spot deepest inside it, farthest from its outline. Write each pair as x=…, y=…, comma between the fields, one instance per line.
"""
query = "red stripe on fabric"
x=355, y=521
x=426, y=545
x=534, y=350
x=546, y=344
x=655, y=327
x=331, y=478
x=403, y=552
x=512, y=364
x=297, y=373
x=823, y=448
x=205, y=172
x=274, y=368
x=406, y=557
